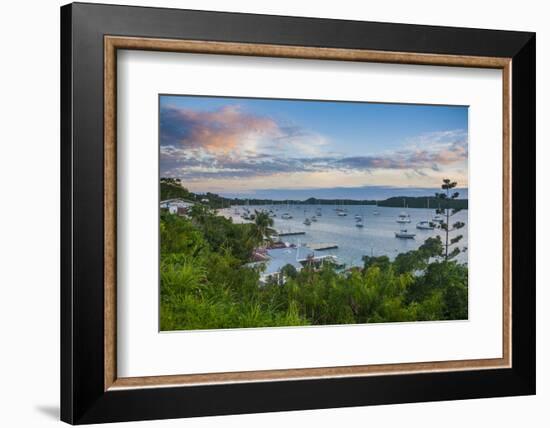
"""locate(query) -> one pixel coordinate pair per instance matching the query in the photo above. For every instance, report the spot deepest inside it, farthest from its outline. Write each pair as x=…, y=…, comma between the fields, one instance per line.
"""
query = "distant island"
x=172, y=188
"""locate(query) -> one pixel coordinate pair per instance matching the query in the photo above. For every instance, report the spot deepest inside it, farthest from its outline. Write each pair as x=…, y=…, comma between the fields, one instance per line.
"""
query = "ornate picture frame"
x=91, y=389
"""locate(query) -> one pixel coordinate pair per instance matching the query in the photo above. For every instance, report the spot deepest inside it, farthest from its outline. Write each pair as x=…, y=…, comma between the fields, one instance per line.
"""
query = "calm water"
x=376, y=238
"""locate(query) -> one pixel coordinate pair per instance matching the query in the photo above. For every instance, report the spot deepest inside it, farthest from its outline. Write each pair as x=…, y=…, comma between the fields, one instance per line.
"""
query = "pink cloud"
x=217, y=131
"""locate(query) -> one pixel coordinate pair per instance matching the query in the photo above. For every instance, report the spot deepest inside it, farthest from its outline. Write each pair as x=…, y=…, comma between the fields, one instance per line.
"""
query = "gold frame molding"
x=113, y=43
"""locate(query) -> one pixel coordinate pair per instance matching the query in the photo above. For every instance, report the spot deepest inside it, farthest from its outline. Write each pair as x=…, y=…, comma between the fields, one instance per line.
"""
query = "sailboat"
x=425, y=224
x=359, y=222
x=404, y=234
x=376, y=212
x=286, y=215
x=403, y=216
x=342, y=212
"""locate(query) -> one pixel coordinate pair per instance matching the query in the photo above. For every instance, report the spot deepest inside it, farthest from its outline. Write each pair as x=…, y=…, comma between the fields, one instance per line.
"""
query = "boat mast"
x=428, y=205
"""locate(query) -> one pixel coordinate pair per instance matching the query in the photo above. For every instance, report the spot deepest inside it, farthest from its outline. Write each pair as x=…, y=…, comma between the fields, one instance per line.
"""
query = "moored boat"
x=404, y=234
x=403, y=217
x=425, y=225
x=438, y=218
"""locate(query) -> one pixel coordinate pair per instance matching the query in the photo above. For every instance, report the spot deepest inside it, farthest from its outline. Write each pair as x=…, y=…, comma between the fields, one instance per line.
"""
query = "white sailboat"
x=438, y=218
x=426, y=224
x=404, y=234
x=403, y=216
x=286, y=215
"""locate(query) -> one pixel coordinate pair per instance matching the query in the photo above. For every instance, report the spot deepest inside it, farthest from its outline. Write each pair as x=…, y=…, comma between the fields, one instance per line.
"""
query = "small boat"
x=307, y=222
x=357, y=217
x=342, y=213
x=438, y=218
x=403, y=218
x=425, y=225
x=313, y=218
x=359, y=224
x=403, y=215
x=286, y=216
x=404, y=234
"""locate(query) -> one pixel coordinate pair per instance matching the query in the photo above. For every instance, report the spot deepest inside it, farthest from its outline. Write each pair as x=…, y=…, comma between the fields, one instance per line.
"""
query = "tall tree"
x=446, y=196
x=263, y=226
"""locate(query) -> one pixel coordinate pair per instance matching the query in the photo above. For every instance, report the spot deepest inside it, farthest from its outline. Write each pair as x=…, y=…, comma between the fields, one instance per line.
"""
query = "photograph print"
x=285, y=213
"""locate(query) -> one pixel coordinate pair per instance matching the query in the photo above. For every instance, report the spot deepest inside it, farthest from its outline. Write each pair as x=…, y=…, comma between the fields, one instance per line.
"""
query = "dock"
x=290, y=233
x=322, y=246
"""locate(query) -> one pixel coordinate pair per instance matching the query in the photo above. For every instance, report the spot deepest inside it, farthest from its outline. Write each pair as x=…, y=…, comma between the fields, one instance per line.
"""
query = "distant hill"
x=171, y=188
x=422, y=202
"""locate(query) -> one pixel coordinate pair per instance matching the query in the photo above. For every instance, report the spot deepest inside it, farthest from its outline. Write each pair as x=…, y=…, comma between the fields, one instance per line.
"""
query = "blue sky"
x=243, y=145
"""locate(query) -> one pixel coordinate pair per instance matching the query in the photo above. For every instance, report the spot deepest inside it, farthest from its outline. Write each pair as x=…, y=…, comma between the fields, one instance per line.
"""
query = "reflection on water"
x=376, y=238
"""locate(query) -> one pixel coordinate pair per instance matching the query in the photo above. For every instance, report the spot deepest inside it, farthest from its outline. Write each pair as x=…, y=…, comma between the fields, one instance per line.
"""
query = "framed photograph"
x=267, y=213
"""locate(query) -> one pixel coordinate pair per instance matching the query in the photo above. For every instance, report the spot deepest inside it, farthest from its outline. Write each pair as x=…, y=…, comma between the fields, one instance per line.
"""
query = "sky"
x=273, y=148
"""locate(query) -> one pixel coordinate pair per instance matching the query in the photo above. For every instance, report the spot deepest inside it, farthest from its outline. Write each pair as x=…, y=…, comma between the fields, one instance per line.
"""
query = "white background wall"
x=29, y=231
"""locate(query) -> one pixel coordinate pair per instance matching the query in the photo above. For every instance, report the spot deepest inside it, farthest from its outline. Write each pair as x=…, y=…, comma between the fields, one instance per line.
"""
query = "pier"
x=322, y=246
x=290, y=233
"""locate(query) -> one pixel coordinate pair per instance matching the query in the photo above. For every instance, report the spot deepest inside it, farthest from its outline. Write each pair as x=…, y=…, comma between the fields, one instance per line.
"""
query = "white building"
x=176, y=206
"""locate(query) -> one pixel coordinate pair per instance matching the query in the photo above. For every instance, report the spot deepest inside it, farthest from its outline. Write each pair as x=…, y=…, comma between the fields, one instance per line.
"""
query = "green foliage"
x=263, y=226
x=289, y=271
x=171, y=188
x=449, y=209
x=383, y=262
x=206, y=282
